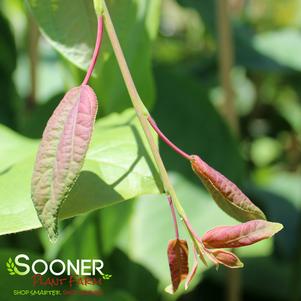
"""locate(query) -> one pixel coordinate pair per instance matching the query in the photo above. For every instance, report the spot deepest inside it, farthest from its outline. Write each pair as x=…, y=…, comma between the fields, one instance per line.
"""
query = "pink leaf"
x=61, y=154
x=225, y=193
x=227, y=259
x=177, y=252
x=240, y=235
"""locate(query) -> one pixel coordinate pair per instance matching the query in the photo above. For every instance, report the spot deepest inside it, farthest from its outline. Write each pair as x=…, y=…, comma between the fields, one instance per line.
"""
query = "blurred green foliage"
x=184, y=91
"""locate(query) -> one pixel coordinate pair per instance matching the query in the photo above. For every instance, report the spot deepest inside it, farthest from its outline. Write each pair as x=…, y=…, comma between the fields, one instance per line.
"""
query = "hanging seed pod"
x=240, y=235
x=225, y=193
x=177, y=252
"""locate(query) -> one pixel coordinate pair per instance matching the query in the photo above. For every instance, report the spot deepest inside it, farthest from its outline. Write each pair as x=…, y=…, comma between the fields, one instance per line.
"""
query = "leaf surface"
x=61, y=154
x=118, y=167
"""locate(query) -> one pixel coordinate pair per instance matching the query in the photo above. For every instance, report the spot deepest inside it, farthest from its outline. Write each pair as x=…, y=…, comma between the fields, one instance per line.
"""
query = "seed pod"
x=177, y=253
x=61, y=154
x=240, y=235
x=227, y=259
x=225, y=193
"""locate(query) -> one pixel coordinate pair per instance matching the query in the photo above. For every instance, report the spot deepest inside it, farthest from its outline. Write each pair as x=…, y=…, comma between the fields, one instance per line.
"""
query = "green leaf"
x=14, y=148
x=282, y=46
x=119, y=166
x=136, y=24
x=8, y=59
x=246, y=55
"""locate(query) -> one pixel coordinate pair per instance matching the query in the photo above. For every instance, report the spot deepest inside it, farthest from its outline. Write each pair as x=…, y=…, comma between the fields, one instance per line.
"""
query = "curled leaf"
x=240, y=235
x=61, y=154
x=177, y=252
x=227, y=259
x=225, y=193
x=193, y=270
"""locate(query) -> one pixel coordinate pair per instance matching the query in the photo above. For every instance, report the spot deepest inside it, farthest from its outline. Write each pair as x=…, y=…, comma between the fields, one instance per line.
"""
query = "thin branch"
x=166, y=140
x=139, y=107
x=226, y=58
x=33, y=45
x=96, y=49
x=174, y=218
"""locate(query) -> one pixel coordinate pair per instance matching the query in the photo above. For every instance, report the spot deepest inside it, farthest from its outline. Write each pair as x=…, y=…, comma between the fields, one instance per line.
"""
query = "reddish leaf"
x=61, y=154
x=227, y=259
x=240, y=235
x=177, y=252
x=225, y=193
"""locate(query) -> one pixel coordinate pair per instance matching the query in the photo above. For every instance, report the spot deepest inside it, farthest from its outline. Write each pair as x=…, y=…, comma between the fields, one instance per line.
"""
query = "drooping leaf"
x=177, y=252
x=119, y=166
x=61, y=154
x=241, y=235
x=225, y=193
x=227, y=259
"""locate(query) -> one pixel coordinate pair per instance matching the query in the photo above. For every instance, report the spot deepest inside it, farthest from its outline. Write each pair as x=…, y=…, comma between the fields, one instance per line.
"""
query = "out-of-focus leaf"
x=225, y=193
x=120, y=265
x=8, y=53
x=276, y=276
x=8, y=58
x=70, y=26
x=118, y=167
x=35, y=120
x=282, y=46
x=187, y=117
x=240, y=235
x=14, y=148
x=245, y=53
x=282, y=209
x=105, y=225
x=265, y=150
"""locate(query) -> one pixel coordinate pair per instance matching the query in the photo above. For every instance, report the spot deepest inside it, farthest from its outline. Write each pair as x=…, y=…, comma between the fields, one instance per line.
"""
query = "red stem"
x=96, y=49
x=189, y=226
x=166, y=140
x=174, y=218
